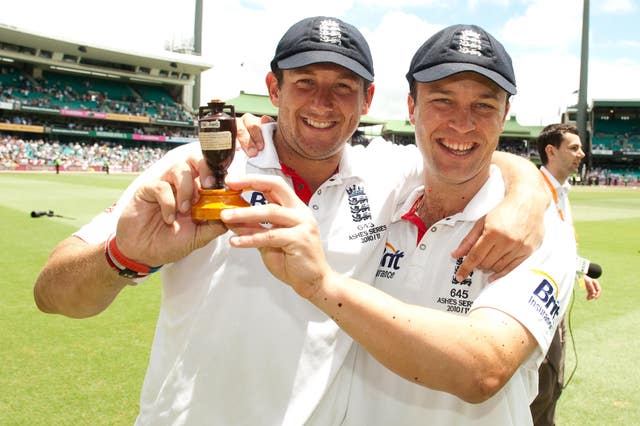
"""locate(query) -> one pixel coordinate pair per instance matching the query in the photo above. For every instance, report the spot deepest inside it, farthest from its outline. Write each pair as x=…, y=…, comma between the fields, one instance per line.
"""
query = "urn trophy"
x=217, y=135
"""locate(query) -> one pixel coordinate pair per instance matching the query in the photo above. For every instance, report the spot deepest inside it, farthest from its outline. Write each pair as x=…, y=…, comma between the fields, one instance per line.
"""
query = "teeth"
x=318, y=124
x=454, y=146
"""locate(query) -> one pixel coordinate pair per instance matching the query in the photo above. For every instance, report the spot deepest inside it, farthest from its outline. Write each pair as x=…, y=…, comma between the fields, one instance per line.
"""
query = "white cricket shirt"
x=424, y=275
x=235, y=346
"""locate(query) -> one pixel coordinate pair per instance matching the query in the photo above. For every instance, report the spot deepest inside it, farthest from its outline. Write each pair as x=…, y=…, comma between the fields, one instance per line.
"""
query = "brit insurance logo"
x=545, y=299
x=390, y=262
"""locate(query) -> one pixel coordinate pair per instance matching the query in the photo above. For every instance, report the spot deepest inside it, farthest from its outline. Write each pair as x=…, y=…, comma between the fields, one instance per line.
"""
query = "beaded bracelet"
x=124, y=266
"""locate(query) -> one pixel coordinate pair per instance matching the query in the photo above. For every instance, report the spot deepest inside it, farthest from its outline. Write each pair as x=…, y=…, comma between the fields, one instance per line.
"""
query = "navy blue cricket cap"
x=461, y=48
x=324, y=39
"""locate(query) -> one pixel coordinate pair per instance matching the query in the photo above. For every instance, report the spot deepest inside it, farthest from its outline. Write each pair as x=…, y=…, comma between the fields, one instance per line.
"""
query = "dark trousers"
x=550, y=380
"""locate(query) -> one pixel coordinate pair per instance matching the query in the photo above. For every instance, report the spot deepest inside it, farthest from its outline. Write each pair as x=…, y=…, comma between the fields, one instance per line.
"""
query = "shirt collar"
x=489, y=196
x=349, y=167
x=557, y=185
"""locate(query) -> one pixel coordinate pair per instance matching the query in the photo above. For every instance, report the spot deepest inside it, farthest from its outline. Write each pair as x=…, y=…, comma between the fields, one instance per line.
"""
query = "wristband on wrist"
x=123, y=265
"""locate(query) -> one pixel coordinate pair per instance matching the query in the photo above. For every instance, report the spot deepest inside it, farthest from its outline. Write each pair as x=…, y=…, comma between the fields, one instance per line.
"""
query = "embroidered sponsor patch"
x=390, y=262
x=544, y=299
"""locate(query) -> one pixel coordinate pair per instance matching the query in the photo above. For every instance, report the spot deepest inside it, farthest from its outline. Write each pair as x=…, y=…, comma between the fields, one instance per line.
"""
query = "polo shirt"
x=536, y=293
x=235, y=346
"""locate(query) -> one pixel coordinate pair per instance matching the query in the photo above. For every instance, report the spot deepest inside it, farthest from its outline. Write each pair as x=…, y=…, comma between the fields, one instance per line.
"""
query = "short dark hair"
x=553, y=135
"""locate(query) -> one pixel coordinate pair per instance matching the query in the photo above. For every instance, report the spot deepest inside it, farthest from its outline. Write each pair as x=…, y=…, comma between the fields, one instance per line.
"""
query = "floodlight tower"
x=197, y=50
x=581, y=118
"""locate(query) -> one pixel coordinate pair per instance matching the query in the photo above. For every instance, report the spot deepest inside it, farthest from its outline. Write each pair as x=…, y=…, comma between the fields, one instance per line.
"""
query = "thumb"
x=469, y=240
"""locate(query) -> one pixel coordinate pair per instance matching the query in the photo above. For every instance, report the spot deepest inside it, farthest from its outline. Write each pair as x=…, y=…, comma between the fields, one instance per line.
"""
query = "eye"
x=304, y=82
x=442, y=100
x=344, y=88
x=484, y=106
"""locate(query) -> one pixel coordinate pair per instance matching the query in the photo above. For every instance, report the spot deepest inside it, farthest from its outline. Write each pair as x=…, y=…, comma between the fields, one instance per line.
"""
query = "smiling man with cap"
x=433, y=349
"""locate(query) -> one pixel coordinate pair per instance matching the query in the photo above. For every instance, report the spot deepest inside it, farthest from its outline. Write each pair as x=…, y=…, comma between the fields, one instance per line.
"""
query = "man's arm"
x=76, y=280
x=154, y=228
x=500, y=241
x=471, y=357
x=514, y=228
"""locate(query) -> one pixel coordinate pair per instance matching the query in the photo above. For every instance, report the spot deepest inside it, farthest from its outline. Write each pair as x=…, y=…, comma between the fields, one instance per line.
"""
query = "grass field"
x=60, y=371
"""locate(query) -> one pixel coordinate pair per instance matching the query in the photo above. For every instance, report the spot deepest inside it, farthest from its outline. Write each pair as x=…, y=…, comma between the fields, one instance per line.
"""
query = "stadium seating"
x=58, y=90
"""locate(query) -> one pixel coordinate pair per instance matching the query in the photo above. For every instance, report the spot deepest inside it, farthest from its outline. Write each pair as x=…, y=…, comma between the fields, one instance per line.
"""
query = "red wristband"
x=126, y=267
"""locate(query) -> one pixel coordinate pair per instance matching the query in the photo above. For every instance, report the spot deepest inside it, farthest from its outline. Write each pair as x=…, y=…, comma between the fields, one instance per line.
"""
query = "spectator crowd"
x=37, y=154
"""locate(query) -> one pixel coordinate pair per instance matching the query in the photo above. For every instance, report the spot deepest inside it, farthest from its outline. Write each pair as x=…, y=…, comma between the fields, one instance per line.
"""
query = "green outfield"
x=61, y=371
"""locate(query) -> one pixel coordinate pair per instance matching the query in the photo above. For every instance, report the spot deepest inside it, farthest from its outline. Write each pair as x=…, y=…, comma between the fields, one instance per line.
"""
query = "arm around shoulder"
x=76, y=281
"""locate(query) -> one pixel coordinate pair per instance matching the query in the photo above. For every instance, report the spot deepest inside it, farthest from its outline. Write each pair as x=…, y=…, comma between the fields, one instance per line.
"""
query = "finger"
x=598, y=288
x=263, y=213
x=266, y=119
x=206, y=176
x=592, y=286
x=474, y=258
x=249, y=135
x=507, y=268
x=244, y=228
x=243, y=140
x=160, y=193
x=505, y=263
x=274, y=188
x=494, y=256
x=469, y=240
x=274, y=238
x=255, y=130
x=181, y=176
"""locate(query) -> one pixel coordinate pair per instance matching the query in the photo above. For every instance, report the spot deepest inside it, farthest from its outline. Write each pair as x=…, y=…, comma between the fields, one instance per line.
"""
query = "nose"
x=461, y=120
x=323, y=99
x=581, y=154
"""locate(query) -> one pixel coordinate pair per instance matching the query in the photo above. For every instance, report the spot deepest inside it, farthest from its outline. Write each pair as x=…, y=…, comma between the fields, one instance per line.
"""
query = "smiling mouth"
x=457, y=148
x=319, y=124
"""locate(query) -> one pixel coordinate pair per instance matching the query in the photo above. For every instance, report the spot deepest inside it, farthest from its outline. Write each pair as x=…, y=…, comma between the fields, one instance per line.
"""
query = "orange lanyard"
x=554, y=194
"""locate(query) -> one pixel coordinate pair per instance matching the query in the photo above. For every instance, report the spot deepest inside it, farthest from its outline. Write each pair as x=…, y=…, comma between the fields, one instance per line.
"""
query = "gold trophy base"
x=213, y=201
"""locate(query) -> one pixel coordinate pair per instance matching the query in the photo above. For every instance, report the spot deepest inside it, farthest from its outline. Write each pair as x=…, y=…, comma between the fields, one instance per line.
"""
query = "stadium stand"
x=88, y=106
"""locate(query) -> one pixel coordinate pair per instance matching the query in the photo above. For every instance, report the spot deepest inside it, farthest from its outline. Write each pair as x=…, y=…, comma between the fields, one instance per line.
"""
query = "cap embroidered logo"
x=462, y=48
x=330, y=32
x=470, y=43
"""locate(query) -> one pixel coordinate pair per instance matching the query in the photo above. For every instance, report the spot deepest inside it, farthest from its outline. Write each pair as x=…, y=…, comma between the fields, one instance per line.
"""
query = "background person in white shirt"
x=561, y=153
